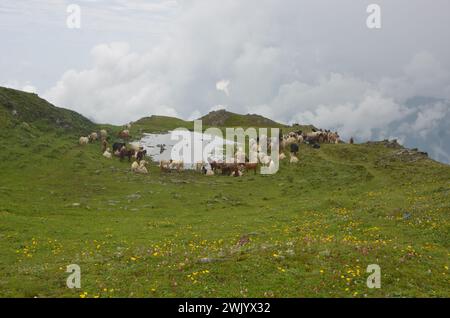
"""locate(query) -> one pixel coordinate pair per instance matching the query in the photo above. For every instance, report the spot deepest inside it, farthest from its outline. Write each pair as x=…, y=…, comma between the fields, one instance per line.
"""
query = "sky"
x=295, y=61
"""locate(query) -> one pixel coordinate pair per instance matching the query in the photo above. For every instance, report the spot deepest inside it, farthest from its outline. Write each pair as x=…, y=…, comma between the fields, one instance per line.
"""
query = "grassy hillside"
x=27, y=109
x=223, y=118
x=220, y=118
x=309, y=230
x=155, y=124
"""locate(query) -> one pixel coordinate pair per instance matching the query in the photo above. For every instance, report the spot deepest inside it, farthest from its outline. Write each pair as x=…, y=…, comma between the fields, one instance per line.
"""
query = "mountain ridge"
x=23, y=108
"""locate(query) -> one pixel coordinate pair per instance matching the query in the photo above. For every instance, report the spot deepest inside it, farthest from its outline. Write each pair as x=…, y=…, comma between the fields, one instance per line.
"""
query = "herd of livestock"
x=240, y=163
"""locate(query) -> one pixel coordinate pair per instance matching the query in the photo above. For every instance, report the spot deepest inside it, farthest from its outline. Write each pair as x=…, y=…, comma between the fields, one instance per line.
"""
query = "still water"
x=161, y=146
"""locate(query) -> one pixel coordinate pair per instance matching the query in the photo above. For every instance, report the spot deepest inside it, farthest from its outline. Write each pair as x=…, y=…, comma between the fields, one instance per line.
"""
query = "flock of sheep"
x=240, y=163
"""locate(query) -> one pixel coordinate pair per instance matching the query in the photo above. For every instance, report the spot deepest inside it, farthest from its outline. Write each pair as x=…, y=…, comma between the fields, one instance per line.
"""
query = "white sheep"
x=282, y=156
x=237, y=173
x=103, y=134
x=134, y=166
x=294, y=159
x=209, y=172
x=135, y=146
x=164, y=165
x=93, y=136
x=84, y=140
x=142, y=169
x=199, y=165
x=107, y=154
x=176, y=165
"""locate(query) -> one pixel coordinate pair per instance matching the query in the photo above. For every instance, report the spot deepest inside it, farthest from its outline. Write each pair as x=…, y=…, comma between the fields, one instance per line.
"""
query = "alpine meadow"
x=309, y=230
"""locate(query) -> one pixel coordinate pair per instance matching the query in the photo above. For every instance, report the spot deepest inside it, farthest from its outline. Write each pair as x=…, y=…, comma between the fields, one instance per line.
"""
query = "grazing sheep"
x=93, y=137
x=215, y=165
x=199, y=165
x=294, y=149
x=103, y=134
x=294, y=159
x=117, y=146
x=176, y=165
x=134, y=166
x=104, y=145
x=84, y=140
x=135, y=146
x=209, y=172
x=291, y=140
x=313, y=137
x=107, y=154
x=236, y=173
x=124, y=134
x=124, y=152
x=282, y=156
x=227, y=168
x=140, y=154
x=142, y=169
x=164, y=165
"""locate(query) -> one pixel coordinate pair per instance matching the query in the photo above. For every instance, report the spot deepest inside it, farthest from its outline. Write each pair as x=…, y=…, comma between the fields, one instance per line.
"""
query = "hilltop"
x=223, y=118
x=219, y=118
x=28, y=109
x=160, y=124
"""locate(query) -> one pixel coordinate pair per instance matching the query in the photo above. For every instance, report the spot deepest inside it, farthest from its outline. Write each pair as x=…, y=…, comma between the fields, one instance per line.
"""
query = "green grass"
x=313, y=227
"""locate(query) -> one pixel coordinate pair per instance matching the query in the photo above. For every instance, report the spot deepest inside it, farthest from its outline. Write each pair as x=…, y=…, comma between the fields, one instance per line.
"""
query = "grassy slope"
x=228, y=119
x=155, y=124
x=19, y=108
x=313, y=227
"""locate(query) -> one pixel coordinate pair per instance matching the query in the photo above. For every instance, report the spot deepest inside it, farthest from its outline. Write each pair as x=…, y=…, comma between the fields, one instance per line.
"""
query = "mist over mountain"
x=424, y=124
x=427, y=127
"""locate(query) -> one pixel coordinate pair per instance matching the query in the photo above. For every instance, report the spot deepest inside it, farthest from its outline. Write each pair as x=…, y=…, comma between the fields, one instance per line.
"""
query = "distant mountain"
x=22, y=108
x=426, y=127
x=159, y=124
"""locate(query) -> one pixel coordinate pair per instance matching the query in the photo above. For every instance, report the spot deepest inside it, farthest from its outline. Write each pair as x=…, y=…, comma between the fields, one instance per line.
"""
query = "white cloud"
x=357, y=119
x=26, y=87
x=121, y=86
x=223, y=86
